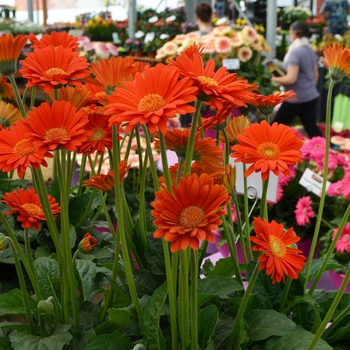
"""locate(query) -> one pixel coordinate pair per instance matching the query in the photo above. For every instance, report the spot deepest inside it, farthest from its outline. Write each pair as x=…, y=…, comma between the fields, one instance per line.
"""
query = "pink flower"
x=345, y=188
x=343, y=243
x=283, y=180
x=303, y=211
x=334, y=189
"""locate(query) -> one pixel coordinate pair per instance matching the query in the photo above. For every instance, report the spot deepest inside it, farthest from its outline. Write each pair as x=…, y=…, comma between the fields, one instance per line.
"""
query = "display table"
x=341, y=117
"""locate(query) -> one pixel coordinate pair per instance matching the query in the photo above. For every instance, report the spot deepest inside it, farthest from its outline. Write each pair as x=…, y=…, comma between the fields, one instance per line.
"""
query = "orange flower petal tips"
x=88, y=243
x=337, y=60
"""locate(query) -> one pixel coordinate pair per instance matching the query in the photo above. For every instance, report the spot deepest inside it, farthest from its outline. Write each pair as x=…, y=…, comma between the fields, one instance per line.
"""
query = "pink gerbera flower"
x=303, y=211
x=345, y=188
x=343, y=243
x=334, y=189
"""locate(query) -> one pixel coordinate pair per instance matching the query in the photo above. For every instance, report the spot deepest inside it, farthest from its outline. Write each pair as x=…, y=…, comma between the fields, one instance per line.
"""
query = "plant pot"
x=151, y=54
x=138, y=53
x=338, y=279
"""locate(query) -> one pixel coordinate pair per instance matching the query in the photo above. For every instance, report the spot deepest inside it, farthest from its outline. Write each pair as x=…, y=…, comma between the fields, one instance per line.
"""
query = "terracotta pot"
x=151, y=54
x=138, y=53
x=338, y=279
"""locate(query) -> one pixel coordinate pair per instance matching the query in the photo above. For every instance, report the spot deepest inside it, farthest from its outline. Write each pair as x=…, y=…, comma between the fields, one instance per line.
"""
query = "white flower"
x=249, y=34
x=170, y=48
x=223, y=45
x=244, y=53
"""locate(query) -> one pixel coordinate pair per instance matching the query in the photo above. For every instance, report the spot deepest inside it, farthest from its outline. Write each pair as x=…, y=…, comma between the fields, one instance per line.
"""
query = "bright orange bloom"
x=278, y=258
x=105, y=182
x=266, y=104
x=9, y=115
x=191, y=213
x=269, y=147
x=234, y=128
x=6, y=91
x=152, y=99
x=192, y=50
x=101, y=135
x=111, y=73
x=27, y=205
x=16, y=152
x=57, y=126
x=88, y=243
x=53, y=67
x=78, y=96
x=10, y=50
x=337, y=60
x=218, y=121
x=54, y=39
x=219, y=86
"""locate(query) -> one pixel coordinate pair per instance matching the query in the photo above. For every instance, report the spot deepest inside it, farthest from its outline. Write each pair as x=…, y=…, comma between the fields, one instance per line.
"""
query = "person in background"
x=302, y=76
x=203, y=14
x=220, y=8
x=336, y=13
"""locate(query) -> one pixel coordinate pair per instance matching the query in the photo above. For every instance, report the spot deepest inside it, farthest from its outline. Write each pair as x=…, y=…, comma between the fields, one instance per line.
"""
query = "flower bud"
x=3, y=242
x=45, y=306
x=87, y=243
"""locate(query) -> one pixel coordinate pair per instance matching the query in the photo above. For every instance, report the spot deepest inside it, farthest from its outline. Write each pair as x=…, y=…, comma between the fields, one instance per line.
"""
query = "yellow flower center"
x=98, y=134
x=151, y=102
x=56, y=134
x=32, y=209
x=278, y=248
x=268, y=150
x=21, y=151
x=191, y=216
x=52, y=71
x=206, y=80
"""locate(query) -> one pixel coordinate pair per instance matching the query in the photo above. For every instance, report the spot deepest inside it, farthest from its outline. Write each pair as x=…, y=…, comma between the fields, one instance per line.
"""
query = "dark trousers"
x=307, y=113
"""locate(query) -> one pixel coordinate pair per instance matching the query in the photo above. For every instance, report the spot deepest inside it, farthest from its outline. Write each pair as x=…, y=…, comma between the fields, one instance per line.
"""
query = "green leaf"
x=297, y=340
x=56, y=341
x=114, y=341
x=149, y=323
x=120, y=318
x=155, y=256
x=216, y=285
x=78, y=205
x=263, y=324
x=80, y=340
x=86, y=273
x=222, y=331
x=11, y=303
x=223, y=267
x=18, y=326
x=48, y=277
x=5, y=344
x=207, y=320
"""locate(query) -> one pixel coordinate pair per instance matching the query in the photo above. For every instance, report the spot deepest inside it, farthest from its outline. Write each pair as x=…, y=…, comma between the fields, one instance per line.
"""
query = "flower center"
x=56, y=134
x=151, y=102
x=206, y=80
x=268, y=150
x=345, y=238
x=21, y=151
x=98, y=135
x=278, y=248
x=191, y=216
x=53, y=71
x=32, y=209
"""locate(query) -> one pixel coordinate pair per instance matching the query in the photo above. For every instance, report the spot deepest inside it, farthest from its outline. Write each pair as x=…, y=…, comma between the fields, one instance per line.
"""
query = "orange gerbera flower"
x=278, y=258
x=9, y=115
x=152, y=99
x=53, y=67
x=27, y=205
x=101, y=135
x=112, y=72
x=266, y=104
x=219, y=86
x=57, y=126
x=337, y=60
x=88, y=243
x=54, y=39
x=78, y=96
x=105, y=182
x=16, y=152
x=191, y=213
x=6, y=91
x=234, y=128
x=10, y=50
x=269, y=147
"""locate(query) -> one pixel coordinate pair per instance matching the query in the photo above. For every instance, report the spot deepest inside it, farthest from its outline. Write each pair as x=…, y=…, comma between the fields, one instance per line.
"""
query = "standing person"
x=301, y=77
x=336, y=12
x=203, y=15
x=220, y=8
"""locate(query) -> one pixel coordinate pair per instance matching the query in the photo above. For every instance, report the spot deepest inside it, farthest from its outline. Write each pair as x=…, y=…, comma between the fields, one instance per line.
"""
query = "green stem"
x=81, y=174
x=183, y=297
x=87, y=210
x=194, y=301
x=330, y=250
x=203, y=251
x=263, y=205
x=285, y=294
x=22, y=284
x=121, y=228
x=240, y=234
x=65, y=234
x=331, y=310
x=324, y=184
x=28, y=249
x=190, y=147
x=166, y=171
x=32, y=97
x=246, y=214
x=17, y=95
x=238, y=321
x=336, y=321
